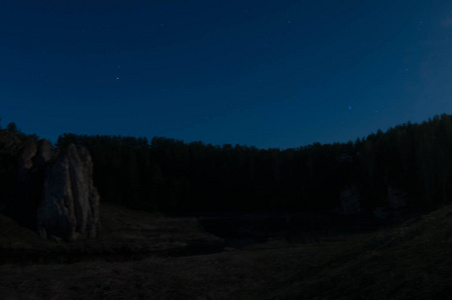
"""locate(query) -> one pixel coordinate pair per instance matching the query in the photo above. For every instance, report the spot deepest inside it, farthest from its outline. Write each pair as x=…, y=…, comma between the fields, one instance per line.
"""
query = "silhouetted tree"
x=170, y=175
x=12, y=127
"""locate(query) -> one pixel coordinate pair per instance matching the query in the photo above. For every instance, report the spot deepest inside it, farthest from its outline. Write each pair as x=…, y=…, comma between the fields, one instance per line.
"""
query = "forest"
x=186, y=220
x=167, y=175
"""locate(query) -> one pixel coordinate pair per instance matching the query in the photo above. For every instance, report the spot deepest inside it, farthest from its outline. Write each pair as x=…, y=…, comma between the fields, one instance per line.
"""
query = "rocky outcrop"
x=46, y=191
x=350, y=200
x=9, y=142
x=394, y=209
x=70, y=208
x=25, y=160
x=44, y=154
x=397, y=198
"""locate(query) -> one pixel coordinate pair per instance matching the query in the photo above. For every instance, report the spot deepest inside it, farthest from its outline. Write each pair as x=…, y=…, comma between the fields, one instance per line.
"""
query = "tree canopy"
x=170, y=175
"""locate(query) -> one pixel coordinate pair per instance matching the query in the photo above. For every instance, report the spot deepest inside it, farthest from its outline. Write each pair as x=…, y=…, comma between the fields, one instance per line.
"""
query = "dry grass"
x=411, y=261
x=124, y=235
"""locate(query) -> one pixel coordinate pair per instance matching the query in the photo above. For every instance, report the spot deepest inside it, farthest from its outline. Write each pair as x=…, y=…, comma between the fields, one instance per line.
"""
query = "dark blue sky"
x=263, y=73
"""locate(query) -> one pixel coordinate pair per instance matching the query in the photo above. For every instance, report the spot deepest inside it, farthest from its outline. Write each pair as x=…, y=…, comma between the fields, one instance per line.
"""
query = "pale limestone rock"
x=70, y=208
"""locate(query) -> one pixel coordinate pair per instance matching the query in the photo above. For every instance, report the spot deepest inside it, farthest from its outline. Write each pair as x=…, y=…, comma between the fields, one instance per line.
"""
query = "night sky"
x=259, y=73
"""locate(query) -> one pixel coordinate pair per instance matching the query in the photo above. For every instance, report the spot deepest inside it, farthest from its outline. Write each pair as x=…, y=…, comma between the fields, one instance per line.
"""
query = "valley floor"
x=410, y=261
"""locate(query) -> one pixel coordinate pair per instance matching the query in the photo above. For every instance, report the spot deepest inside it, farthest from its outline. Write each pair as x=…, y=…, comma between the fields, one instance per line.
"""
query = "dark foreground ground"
x=143, y=256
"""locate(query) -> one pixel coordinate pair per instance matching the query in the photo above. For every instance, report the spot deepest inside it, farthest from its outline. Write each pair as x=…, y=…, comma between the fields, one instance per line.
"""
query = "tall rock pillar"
x=70, y=206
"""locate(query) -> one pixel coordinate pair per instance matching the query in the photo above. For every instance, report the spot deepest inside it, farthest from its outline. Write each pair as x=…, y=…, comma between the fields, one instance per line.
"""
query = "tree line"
x=172, y=176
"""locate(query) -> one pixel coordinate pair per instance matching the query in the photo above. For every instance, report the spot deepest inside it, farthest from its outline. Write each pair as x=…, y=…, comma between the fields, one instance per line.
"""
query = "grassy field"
x=146, y=256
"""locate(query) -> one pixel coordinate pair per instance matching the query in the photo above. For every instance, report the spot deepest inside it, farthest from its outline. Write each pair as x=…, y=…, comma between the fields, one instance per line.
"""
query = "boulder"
x=381, y=213
x=397, y=198
x=350, y=200
x=70, y=206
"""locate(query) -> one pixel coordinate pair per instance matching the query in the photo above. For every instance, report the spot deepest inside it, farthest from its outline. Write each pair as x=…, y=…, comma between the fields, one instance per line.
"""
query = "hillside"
x=406, y=167
x=409, y=261
x=195, y=221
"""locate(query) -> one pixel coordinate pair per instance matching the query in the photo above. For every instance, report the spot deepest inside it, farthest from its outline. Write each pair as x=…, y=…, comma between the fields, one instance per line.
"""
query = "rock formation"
x=397, y=198
x=9, y=142
x=25, y=160
x=49, y=192
x=350, y=200
x=44, y=154
x=70, y=208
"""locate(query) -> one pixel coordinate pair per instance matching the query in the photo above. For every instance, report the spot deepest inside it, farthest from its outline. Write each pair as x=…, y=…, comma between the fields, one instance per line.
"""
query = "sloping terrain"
x=410, y=261
x=124, y=235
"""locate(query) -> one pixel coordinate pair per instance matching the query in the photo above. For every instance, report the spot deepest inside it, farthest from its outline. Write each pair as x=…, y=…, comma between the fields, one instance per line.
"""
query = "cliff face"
x=50, y=192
